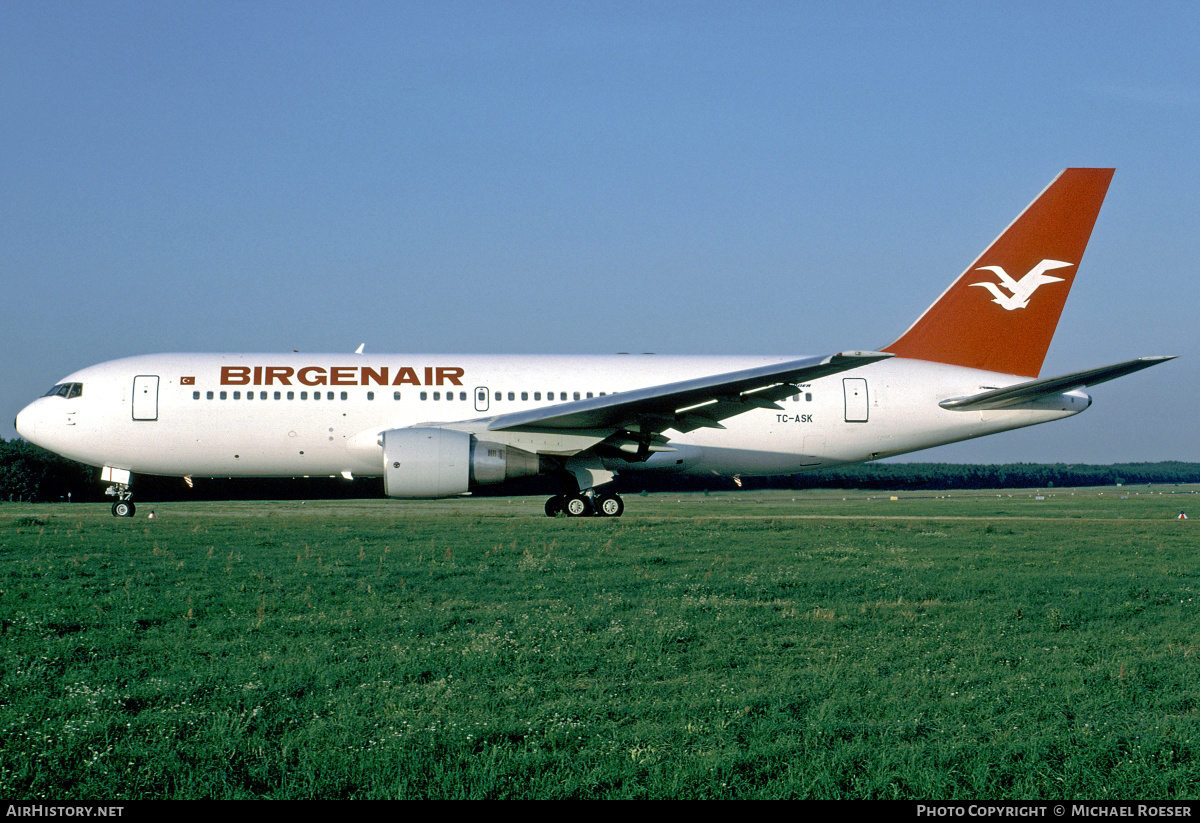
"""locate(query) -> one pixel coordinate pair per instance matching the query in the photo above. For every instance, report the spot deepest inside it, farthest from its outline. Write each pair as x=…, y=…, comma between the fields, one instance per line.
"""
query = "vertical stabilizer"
x=1001, y=313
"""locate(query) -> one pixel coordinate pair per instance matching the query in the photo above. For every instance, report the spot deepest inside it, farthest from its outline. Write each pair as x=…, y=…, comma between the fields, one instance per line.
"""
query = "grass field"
x=759, y=644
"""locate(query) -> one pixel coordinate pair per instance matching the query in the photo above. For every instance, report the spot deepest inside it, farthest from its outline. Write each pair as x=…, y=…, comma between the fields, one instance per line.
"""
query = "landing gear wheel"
x=554, y=506
x=577, y=505
x=610, y=505
x=123, y=508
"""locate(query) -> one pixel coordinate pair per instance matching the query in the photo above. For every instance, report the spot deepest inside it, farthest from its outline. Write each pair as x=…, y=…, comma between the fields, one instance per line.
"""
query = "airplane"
x=443, y=425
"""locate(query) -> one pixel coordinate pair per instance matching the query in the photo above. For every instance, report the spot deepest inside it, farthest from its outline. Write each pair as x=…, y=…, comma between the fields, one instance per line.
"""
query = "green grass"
x=759, y=644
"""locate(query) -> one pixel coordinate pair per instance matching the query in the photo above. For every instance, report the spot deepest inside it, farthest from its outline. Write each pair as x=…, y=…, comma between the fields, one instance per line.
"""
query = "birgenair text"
x=341, y=376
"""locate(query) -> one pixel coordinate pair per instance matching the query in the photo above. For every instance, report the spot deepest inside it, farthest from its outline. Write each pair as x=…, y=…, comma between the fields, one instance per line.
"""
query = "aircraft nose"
x=26, y=423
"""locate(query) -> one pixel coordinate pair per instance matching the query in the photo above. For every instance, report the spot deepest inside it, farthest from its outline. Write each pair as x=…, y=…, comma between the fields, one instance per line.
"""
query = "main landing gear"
x=585, y=504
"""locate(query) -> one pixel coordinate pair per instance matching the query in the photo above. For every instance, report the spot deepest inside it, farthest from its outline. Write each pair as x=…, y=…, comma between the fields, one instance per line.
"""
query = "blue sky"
x=751, y=177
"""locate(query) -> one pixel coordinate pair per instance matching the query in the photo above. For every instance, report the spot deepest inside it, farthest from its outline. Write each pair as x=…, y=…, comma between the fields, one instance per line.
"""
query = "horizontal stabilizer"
x=1036, y=389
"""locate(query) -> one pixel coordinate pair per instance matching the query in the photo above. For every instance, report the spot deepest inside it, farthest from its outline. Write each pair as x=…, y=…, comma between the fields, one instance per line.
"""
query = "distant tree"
x=938, y=476
x=30, y=473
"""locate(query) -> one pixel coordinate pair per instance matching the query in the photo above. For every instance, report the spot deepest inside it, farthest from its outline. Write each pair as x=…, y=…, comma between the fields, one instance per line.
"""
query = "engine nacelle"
x=433, y=462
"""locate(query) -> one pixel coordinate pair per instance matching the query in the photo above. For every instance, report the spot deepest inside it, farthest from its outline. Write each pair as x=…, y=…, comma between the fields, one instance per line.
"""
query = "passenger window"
x=345, y=395
x=576, y=395
x=524, y=395
x=511, y=396
x=537, y=395
x=395, y=395
x=303, y=395
x=424, y=396
x=208, y=396
x=370, y=395
x=223, y=395
x=291, y=395
x=195, y=395
x=237, y=395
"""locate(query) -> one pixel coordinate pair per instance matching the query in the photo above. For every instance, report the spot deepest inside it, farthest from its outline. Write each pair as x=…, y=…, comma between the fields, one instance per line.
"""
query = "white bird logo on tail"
x=1020, y=290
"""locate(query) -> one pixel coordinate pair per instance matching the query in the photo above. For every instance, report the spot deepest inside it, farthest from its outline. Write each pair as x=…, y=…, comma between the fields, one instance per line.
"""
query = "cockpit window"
x=67, y=390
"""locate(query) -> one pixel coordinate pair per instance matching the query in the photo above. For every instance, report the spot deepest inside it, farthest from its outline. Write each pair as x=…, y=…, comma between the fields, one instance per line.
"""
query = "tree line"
x=938, y=476
x=30, y=473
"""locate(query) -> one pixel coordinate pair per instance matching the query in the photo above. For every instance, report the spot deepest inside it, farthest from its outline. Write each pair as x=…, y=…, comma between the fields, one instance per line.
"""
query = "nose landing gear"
x=121, y=490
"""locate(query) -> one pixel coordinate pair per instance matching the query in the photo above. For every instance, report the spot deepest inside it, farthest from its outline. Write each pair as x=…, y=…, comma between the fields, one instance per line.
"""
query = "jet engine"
x=433, y=462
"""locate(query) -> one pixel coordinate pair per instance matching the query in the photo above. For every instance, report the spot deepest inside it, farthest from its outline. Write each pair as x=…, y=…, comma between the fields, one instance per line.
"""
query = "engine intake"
x=433, y=462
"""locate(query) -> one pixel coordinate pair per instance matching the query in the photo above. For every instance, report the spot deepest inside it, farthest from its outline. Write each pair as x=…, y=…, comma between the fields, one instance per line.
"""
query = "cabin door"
x=481, y=398
x=856, y=399
x=145, y=397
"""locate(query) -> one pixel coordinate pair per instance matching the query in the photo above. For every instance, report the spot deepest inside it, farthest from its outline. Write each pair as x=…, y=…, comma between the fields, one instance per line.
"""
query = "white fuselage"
x=285, y=415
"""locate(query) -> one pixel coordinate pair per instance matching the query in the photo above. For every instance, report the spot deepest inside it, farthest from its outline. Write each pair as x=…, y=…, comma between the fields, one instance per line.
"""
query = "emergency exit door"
x=481, y=398
x=145, y=397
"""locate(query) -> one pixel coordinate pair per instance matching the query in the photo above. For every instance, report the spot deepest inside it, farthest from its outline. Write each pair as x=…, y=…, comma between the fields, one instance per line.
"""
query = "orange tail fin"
x=1001, y=313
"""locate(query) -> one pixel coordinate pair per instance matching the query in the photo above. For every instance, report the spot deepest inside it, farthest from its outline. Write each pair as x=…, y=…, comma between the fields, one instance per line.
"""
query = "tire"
x=123, y=508
x=610, y=505
x=554, y=506
x=577, y=505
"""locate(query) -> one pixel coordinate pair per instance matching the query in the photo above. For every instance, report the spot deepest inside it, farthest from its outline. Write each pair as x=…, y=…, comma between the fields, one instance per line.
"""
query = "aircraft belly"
x=769, y=442
x=185, y=441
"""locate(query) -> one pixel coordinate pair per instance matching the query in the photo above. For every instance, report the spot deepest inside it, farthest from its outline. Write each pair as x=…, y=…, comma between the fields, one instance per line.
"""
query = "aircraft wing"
x=1035, y=389
x=687, y=405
